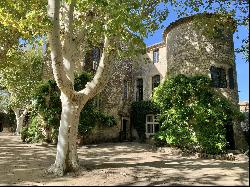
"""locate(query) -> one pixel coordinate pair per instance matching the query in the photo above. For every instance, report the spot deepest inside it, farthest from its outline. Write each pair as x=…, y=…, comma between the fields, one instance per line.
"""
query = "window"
x=155, y=81
x=125, y=89
x=96, y=58
x=231, y=78
x=218, y=76
x=139, y=89
x=156, y=56
x=152, y=125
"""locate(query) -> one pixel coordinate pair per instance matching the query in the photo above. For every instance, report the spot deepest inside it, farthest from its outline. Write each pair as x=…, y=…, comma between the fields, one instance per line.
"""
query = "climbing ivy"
x=139, y=110
x=193, y=114
x=47, y=106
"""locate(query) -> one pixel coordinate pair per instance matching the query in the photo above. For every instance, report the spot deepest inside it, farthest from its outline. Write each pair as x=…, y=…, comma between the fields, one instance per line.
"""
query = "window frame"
x=156, y=79
x=139, y=90
x=125, y=89
x=152, y=123
x=156, y=56
x=231, y=80
x=219, y=77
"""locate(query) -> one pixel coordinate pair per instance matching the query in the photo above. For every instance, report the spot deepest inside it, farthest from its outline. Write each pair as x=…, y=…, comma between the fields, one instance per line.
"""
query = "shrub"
x=33, y=133
x=47, y=105
x=193, y=114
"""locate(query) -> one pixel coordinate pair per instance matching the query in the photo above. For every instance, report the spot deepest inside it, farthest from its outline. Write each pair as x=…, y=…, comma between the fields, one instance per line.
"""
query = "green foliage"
x=47, y=104
x=20, y=73
x=139, y=110
x=90, y=117
x=33, y=133
x=193, y=114
x=81, y=80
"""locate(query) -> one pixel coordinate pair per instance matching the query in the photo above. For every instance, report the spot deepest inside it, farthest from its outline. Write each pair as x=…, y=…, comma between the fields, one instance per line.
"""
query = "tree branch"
x=103, y=72
x=61, y=79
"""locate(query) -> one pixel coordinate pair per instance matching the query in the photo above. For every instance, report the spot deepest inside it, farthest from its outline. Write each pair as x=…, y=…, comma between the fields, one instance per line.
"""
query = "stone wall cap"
x=155, y=46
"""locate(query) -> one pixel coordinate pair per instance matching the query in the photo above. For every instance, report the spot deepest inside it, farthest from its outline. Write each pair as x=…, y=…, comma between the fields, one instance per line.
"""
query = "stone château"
x=187, y=48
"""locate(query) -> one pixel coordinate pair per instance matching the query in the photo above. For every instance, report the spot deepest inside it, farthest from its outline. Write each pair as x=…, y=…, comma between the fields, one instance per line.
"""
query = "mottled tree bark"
x=19, y=120
x=63, y=60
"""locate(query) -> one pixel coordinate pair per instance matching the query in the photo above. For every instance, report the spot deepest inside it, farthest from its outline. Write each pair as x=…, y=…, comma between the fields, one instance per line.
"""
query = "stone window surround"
x=135, y=86
x=157, y=57
x=226, y=67
x=153, y=123
x=96, y=58
x=152, y=81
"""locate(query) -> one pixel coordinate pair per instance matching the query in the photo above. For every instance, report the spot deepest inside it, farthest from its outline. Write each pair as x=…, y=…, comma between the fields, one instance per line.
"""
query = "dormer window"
x=156, y=56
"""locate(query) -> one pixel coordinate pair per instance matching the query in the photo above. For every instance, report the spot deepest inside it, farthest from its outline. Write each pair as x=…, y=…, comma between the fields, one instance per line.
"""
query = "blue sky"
x=242, y=67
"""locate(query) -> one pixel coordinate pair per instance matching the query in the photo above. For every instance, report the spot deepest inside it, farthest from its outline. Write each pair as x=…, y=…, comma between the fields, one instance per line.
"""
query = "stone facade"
x=188, y=48
x=191, y=50
x=244, y=106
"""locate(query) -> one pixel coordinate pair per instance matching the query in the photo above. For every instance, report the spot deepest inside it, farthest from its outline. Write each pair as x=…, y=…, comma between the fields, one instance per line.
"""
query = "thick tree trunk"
x=19, y=120
x=66, y=157
x=63, y=60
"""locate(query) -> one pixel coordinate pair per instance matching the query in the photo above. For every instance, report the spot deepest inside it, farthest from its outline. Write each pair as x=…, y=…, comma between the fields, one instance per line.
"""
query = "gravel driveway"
x=122, y=164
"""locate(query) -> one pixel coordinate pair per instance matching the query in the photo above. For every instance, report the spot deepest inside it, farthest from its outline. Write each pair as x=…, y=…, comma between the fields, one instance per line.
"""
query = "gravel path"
x=116, y=164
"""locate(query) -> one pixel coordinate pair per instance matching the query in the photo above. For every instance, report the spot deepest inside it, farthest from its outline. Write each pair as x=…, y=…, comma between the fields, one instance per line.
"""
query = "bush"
x=193, y=114
x=47, y=105
x=33, y=133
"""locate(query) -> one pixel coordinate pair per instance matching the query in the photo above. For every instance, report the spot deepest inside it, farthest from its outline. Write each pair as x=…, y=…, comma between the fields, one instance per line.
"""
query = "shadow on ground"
x=115, y=164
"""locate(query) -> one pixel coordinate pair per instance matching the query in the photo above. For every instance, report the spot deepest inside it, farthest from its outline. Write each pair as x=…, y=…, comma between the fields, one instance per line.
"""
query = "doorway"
x=230, y=136
x=125, y=129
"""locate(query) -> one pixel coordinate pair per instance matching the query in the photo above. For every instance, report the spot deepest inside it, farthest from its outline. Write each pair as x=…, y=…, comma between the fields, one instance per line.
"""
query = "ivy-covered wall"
x=139, y=110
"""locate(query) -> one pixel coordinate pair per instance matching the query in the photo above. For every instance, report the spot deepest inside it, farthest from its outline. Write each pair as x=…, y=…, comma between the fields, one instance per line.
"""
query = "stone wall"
x=191, y=46
x=146, y=69
x=113, y=103
x=191, y=50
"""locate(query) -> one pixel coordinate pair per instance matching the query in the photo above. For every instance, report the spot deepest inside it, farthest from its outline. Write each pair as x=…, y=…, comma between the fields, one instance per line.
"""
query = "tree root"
x=59, y=170
x=56, y=170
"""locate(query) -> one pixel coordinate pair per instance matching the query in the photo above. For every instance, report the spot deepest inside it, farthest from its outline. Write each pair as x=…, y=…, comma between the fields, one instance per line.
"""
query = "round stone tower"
x=203, y=44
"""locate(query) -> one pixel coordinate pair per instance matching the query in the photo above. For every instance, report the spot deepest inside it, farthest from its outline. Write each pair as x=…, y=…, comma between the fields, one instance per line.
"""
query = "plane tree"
x=71, y=28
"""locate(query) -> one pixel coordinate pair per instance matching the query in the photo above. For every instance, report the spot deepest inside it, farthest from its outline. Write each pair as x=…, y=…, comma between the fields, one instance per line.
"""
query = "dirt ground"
x=117, y=164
